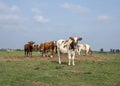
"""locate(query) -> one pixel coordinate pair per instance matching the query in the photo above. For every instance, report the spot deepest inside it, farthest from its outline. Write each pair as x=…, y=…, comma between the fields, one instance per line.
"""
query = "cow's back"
x=61, y=45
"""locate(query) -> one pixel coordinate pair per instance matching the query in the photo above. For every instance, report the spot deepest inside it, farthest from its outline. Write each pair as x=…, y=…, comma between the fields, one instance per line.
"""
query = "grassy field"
x=104, y=70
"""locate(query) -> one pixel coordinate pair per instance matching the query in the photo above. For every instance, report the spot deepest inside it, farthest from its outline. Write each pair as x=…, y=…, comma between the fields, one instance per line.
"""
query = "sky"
x=96, y=21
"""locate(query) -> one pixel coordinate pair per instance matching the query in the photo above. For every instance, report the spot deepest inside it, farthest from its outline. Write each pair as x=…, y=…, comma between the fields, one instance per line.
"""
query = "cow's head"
x=74, y=41
x=35, y=47
x=31, y=43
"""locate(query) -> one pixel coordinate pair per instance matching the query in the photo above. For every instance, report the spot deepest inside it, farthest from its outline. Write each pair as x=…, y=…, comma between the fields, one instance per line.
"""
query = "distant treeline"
x=114, y=50
x=111, y=50
x=3, y=49
x=100, y=51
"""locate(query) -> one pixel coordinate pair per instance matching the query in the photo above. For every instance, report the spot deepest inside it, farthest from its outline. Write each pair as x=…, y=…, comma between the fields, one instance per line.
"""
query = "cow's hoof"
x=69, y=64
x=51, y=56
x=73, y=64
x=59, y=62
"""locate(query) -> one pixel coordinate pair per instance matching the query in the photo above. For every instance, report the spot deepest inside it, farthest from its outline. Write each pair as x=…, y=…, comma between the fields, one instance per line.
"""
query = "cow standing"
x=46, y=47
x=69, y=47
x=28, y=48
x=49, y=47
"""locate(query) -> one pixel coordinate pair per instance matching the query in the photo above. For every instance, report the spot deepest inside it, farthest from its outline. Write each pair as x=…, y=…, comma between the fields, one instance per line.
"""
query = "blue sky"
x=96, y=21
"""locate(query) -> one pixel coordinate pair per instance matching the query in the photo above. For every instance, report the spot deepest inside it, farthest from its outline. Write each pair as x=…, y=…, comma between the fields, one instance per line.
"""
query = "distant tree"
x=110, y=50
x=18, y=50
x=117, y=51
x=3, y=49
x=114, y=51
x=101, y=50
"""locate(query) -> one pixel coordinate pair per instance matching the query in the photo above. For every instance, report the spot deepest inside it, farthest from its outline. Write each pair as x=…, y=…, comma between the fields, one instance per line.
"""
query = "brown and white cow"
x=69, y=47
x=28, y=48
x=84, y=47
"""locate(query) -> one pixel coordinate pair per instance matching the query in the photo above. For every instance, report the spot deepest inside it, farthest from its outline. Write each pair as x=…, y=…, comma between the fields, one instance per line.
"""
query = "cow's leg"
x=31, y=53
x=25, y=53
x=73, y=57
x=42, y=53
x=51, y=53
x=69, y=58
x=58, y=51
x=87, y=51
x=79, y=51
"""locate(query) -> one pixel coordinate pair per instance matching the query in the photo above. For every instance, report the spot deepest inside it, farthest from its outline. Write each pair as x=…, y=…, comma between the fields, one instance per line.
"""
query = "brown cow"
x=46, y=47
x=28, y=48
x=36, y=47
x=49, y=47
x=39, y=48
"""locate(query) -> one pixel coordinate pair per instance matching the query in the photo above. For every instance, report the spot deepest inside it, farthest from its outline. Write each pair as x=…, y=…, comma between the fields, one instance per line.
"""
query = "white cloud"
x=9, y=9
x=75, y=8
x=104, y=18
x=36, y=10
x=9, y=13
x=41, y=19
x=9, y=17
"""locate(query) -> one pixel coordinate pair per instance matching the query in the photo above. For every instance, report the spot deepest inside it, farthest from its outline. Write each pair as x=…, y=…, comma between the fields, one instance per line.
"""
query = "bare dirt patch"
x=55, y=58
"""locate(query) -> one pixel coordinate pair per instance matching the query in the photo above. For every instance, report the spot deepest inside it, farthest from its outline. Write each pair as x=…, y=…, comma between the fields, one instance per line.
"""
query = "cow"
x=69, y=47
x=36, y=47
x=46, y=47
x=28, y=48
x=84, y=47
x=49, y=47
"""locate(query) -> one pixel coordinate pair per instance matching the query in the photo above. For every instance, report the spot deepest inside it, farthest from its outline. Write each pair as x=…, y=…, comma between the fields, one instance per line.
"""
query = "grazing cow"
x=28, y=48
x=46, y=47
x=84, y=47
x=69, y=47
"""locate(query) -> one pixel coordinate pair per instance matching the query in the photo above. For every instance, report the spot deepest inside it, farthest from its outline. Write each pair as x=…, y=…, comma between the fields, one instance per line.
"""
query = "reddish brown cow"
x=28, y=48
x=49, y=47
x=46, y=47
x=36, y=47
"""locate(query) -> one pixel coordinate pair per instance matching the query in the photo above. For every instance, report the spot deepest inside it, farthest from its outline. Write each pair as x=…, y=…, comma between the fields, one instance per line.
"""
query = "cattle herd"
x=70, y=46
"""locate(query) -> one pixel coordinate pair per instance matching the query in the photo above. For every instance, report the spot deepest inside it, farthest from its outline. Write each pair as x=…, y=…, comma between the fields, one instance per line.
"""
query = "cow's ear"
x=79, y=38
x=71, y=38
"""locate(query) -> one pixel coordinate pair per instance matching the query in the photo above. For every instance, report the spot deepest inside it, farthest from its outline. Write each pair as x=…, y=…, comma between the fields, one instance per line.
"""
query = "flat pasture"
x=99, y=69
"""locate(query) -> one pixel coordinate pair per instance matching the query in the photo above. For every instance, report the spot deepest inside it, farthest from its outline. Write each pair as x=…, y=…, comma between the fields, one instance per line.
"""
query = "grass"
x=50, y=73
x=15, y=53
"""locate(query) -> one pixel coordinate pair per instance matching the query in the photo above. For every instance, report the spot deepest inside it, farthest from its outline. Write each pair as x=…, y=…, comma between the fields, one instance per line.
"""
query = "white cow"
x=69, y=47
x=84, y=47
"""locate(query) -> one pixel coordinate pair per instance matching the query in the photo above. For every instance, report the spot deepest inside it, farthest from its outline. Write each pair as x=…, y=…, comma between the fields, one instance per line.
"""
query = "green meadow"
x=24, y=72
